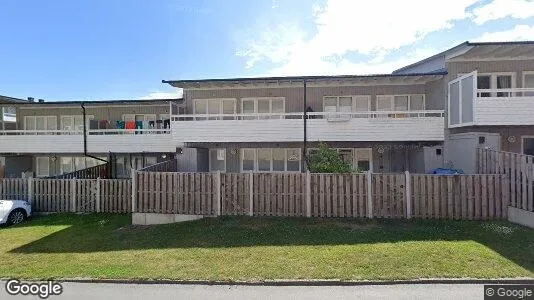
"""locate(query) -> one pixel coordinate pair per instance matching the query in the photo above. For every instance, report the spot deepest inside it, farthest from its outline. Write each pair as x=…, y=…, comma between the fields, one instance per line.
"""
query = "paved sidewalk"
x=83, y=291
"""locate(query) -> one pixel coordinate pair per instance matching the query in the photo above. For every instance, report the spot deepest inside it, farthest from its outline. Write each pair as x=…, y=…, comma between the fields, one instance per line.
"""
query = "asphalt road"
x=82, y=291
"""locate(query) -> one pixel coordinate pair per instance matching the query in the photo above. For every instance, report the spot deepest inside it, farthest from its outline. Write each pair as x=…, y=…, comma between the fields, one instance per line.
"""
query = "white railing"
x=89, y=132
x=505, y=93
x=312, y=115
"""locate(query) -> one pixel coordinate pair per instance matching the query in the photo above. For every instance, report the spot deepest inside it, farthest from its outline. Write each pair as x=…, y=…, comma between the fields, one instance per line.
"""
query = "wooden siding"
x=294, y=97
x=291, y=130
x=124, y=143
x=104, y=112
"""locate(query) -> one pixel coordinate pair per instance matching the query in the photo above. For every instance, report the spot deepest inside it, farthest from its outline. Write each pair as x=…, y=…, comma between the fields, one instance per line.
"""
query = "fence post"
x=251, y=195
x=218, y=192
x=368, y=175
x=30, y=190
x=134, y=190
x=408, y=195
x=308, y=194
x=97, y=201
x=73, y=194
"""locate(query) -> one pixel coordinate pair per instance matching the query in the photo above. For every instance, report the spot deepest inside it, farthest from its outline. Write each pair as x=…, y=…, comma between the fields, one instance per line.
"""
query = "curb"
x=303, y=282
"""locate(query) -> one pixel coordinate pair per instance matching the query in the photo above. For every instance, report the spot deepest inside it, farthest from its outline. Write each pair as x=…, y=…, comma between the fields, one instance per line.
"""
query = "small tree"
x=327, y=160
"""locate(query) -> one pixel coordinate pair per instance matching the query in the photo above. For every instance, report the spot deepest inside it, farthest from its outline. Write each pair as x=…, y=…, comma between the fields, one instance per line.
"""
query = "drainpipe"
x=305, y=117
x=85, y=137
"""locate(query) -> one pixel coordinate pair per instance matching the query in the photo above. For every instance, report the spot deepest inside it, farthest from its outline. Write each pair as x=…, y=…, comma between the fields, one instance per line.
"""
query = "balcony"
x=470, y=106
x=426, y=125
x=98, y=141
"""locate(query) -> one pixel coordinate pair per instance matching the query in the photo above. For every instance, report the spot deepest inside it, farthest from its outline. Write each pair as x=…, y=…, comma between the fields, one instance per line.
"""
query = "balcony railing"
x=331, y=116
x=422, y=125
x=89, y=132
x=505, y=93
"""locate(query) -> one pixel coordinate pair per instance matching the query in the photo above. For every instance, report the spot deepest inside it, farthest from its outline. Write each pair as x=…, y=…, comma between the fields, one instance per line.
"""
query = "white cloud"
x=164, y=95
x=370, y=32
x=499, y=9
x=518, y=33
x=349, y=26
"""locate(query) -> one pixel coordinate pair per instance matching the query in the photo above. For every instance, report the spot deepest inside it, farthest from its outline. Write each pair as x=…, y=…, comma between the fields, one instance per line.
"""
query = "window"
x=74, y=123
x=9, y=114
x=66, y=164
x=268, y=106
x=270, y=159
x=400, y=103
x=247, y=160
x=293, y=160
x=279, y=159
x=528, y=145
x=484, y=82
x=358, y=158
x=528, y=82
x=217, y=160
x=495, y=81
x=214, y=107
x=42, y=166
x=346, y=103
x=40, y=123
x=79, y=163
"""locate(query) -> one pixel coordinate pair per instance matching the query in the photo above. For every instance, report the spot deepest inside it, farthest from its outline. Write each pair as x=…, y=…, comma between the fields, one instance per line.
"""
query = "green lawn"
x=255, y=249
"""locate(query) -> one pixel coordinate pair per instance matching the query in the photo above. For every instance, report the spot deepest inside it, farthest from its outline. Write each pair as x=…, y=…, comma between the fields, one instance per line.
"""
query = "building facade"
x=434, y=113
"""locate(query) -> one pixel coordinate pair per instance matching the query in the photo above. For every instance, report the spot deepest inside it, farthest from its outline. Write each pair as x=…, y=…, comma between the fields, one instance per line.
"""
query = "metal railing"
x=89, y=132
x=505, y=93
x=312, y=115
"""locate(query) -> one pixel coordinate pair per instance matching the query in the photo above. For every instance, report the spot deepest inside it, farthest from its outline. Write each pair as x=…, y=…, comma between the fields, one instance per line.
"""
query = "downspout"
x=85, y=137
x=305, y=117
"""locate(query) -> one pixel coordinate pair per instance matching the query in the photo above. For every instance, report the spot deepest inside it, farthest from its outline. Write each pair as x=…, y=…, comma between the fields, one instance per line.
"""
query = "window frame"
x=210, y=160
x=523, y=137
x=38, y=169
x=221, y=107
x=270, y=99
x=256, y=161
x=35, y=121
x=391, y=98
x=352, y=102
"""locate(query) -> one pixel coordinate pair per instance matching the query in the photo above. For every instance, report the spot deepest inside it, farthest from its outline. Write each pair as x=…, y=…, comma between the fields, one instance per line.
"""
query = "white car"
x=14, y=211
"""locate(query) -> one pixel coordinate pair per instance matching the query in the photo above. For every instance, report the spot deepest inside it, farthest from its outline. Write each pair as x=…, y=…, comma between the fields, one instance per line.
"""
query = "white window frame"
x=38, y=171
x=493, y=79
x=72, y=166
x=72, y=117
x=221, y=106
x=255, y=100
x=210, y=160
x=256, y=164
x=35, y=121
x=352, y=101
x=523, y=83
x=392, y=100
x=523, y=137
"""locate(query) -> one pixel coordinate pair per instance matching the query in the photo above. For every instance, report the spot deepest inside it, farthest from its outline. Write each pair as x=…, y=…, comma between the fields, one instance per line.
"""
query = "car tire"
x=17, y=216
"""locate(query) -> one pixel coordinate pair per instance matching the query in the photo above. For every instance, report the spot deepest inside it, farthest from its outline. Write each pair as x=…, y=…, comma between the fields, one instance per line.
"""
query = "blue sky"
x=113, y=49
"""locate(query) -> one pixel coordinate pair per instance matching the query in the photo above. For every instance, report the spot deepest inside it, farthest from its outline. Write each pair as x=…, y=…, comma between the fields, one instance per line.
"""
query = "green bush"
x=327, y=160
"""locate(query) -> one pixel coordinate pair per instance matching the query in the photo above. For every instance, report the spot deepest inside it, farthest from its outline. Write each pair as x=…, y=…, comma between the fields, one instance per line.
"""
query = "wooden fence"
x=323, y=195
x=70, y=195
x=517, y=168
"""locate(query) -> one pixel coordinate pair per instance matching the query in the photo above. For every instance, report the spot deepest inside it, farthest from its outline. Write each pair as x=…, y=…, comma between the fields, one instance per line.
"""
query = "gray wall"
x=294, y=97
x=460, y=149
x=101, y=112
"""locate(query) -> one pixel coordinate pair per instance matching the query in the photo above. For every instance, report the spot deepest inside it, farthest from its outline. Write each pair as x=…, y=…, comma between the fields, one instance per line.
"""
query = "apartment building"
x=430, y=114
x=490, y=103
x=50, y=138
x=472, y=95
